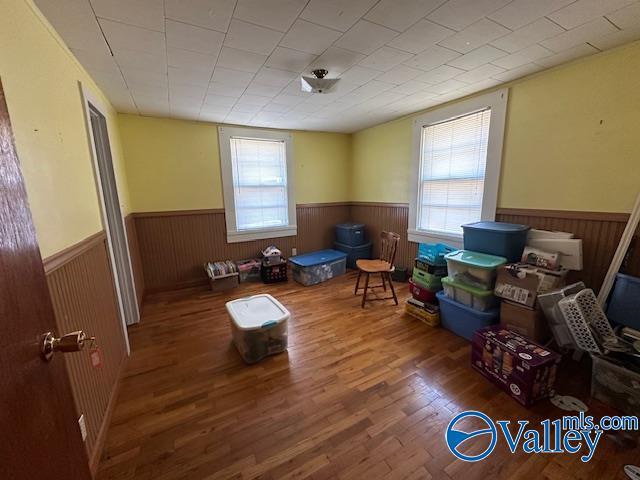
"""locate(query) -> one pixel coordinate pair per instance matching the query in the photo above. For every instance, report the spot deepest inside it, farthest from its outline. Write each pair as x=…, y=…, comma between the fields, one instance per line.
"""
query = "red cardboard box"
x=523, y=369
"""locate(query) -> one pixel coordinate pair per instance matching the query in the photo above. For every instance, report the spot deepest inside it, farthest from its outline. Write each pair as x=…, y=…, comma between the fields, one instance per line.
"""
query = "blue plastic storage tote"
x=351, y=234
x=316, y=267
x=354, y=253
x=463, y=320
x=496, y=238
x=624, y=305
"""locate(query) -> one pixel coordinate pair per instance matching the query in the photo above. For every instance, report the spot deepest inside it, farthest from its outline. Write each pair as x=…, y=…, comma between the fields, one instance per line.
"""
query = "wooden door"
x=39, y=430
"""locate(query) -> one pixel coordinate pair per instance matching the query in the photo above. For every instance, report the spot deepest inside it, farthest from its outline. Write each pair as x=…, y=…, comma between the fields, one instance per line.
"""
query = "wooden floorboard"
x=360, y=393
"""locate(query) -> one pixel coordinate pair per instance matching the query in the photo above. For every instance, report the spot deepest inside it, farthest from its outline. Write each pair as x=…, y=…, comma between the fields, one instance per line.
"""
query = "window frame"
x=497, y=102
x=225, y=134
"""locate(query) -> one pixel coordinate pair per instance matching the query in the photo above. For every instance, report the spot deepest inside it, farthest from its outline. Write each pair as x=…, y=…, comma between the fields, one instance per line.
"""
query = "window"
x=457, y=154
x=257, y=180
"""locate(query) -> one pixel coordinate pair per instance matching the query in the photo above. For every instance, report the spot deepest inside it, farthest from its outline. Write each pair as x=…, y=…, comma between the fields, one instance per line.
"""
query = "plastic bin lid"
x=497, y=227
x=258, y=311
x=475, y=291
x=350, y=225
x=627, y=278
x=317, y=258
x=476, y=259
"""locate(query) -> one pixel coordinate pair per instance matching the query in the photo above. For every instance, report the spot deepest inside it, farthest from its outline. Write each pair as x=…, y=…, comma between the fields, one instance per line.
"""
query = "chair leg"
x=393, y=290
x=358, y=282
x=366, y=287
x=384, y=285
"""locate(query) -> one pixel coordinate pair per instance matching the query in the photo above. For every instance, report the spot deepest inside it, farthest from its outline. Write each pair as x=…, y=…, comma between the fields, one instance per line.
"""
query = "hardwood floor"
x=359, y=394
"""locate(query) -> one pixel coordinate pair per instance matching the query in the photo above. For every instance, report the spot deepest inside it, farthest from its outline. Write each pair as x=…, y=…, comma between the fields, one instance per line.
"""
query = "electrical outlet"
x=83, y=427
x=294, y=251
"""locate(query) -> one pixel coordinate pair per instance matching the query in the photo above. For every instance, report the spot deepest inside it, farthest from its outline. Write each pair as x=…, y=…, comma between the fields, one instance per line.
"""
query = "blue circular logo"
x=456, y=437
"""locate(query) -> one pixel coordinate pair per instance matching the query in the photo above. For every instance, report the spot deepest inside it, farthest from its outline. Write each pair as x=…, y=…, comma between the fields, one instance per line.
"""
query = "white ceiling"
x=240, y=61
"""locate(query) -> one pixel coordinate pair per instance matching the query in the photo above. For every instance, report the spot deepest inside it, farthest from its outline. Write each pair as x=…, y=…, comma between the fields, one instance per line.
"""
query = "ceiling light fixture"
x=317, y=83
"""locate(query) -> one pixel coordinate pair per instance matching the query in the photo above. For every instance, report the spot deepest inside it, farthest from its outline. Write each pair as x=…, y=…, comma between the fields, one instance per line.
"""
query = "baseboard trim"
x=94, y=459
x=178, y=286
x=61, y=258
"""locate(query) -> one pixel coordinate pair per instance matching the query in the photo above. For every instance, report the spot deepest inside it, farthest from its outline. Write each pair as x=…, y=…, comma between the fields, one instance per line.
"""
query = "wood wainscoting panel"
x=600, y=234
x=175, y=245
x=84, y=298
x=394, y=217
x=136, y=261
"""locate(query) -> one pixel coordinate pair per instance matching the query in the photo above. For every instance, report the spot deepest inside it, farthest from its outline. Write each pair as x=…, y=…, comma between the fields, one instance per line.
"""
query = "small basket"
x=584, y=317
x=274, y=273
x=427, y=280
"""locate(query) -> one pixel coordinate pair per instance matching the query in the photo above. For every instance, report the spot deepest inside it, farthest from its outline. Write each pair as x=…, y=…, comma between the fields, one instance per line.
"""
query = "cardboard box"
x=521, y=283
x=525, y=370
x=528, y=322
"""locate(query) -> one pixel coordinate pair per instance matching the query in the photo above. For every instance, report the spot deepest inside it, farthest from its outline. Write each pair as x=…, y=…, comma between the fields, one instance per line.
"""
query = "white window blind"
x=453, y=161
x=259, y=183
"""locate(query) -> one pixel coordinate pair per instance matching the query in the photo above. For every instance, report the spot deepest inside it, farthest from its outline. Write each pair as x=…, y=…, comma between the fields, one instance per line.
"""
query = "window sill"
x=249, y=235
x=421, y=236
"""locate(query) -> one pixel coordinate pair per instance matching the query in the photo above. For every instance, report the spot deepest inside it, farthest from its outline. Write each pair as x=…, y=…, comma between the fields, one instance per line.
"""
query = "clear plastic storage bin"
x=616, y=385
x=249, y=270
x=473, y=268
x=476, y=298
x=316, y=267
x=258, y=326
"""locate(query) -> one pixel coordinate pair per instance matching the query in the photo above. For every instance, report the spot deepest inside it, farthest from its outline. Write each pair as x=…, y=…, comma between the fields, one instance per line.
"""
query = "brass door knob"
x=71, y=342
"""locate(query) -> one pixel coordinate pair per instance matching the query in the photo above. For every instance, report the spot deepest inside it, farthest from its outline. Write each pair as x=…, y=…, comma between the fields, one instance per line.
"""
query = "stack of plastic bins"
x=467, y=303
x=350, y=239
x=430, y=268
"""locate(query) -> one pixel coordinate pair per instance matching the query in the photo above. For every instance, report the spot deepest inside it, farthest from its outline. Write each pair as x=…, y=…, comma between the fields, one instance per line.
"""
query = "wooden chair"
x=384, y=266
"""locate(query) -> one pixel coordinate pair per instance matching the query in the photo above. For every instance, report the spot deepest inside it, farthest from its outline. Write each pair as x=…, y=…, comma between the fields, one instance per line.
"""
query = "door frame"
x=89, y=100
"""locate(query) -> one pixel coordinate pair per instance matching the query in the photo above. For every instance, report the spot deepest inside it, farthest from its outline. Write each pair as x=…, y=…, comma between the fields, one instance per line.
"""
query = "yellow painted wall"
x=572, y=141
x=175, y=164
x=40, y=78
